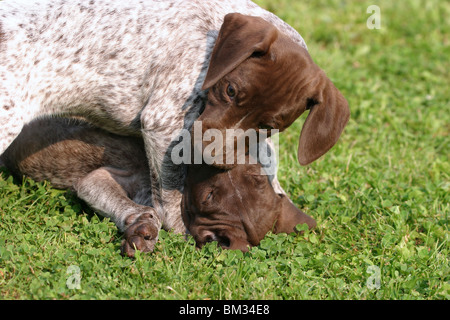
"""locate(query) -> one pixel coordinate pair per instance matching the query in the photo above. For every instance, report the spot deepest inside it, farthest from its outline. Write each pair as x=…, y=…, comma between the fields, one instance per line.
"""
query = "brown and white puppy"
x=109, y=172
x=147, y=68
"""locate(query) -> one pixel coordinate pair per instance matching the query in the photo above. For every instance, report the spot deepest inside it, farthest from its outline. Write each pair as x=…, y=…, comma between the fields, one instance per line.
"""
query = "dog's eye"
x=208, y=196
x=231, y=92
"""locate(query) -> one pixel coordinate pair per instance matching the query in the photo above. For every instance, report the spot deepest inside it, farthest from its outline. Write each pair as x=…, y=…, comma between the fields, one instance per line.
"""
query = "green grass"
x=380, y=196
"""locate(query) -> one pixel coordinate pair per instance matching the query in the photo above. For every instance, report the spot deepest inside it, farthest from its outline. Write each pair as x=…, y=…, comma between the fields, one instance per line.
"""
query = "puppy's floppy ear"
x=290, y=216
x=239, y=37
x=325, y=122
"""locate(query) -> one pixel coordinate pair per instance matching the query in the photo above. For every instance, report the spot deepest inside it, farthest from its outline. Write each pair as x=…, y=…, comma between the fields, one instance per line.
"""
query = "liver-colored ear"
x=239, y=37
x=325, y=121
x=290, y=216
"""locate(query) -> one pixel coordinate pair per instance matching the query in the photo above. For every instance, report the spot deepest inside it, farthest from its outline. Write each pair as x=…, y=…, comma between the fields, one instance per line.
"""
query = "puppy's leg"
x=104, y=189
x=166, y=180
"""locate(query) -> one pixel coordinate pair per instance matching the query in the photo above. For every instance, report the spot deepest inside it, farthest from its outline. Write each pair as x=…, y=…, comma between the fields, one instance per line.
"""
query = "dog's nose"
x=222, y=240
x=209, y=237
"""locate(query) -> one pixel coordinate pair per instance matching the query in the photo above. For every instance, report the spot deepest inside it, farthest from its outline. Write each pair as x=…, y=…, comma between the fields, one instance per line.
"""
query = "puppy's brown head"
x=235, y=207
x=260, y=78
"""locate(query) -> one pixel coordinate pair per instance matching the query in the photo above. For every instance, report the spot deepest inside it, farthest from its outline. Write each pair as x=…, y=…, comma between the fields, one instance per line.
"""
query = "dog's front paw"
x=140, y=235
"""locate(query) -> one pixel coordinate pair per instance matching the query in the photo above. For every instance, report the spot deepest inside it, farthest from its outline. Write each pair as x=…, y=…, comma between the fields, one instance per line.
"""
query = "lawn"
x=380, y=196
